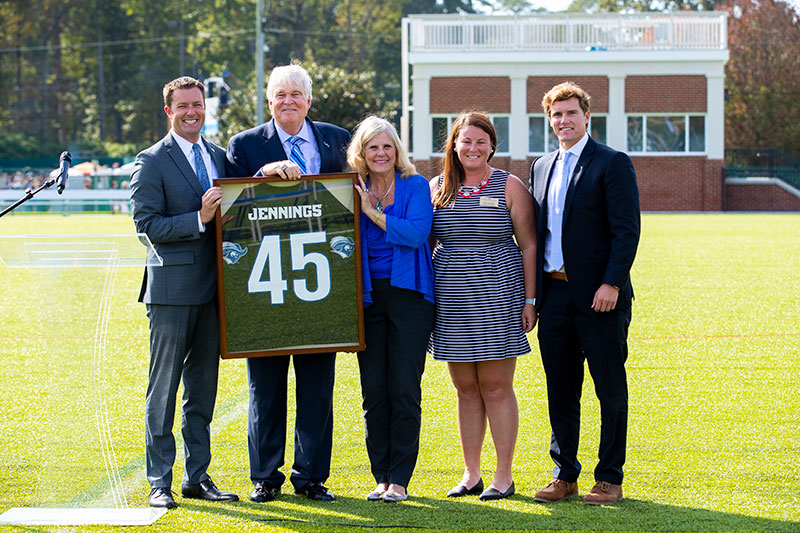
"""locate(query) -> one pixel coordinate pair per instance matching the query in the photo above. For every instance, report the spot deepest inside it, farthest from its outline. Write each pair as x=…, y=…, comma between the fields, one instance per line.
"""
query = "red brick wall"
x=665, y=94
x=679, y=183
x=454, y=95
x=766, y=197
x=665, y=183
x=596, y=86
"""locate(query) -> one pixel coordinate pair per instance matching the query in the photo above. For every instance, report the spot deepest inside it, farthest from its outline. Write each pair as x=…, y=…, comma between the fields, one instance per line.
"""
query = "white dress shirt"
x=309, y=147
x=556, y=198
x=211, y=168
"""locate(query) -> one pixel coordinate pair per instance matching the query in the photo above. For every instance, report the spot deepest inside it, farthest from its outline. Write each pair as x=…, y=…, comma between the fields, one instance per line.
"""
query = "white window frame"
x=642, y=150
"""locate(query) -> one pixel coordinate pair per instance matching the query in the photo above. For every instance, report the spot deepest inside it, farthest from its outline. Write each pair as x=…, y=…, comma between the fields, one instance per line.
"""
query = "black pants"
x=567, y=336
x=313, y=425
x=397, y=325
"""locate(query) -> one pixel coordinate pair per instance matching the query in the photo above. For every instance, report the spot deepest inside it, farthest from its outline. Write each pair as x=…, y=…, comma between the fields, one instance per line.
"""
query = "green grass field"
x=714, y=438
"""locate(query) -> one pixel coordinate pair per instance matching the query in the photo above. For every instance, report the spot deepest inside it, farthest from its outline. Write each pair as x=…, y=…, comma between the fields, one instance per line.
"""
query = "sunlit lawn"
x=714, y=439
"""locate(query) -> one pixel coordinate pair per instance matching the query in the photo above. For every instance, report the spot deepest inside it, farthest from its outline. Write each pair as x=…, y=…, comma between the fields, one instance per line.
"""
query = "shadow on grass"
x=517, y=513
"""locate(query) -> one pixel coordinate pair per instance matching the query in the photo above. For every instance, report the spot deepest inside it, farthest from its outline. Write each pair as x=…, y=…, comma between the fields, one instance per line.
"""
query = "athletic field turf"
x=714, y=428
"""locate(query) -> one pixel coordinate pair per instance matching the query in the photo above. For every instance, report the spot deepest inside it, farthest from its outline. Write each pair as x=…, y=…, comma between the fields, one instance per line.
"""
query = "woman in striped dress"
x=485, y=294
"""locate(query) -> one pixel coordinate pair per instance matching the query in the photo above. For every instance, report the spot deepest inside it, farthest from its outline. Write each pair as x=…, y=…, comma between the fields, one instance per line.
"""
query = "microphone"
x=64, y=162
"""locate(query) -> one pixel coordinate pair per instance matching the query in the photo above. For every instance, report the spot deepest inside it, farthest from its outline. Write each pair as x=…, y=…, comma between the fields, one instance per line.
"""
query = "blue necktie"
x=297, y=155
x=567, y=170
x=200, y=168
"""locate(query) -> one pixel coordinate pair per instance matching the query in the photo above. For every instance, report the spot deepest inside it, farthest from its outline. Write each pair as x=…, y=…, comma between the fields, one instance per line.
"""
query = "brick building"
x=656, y=81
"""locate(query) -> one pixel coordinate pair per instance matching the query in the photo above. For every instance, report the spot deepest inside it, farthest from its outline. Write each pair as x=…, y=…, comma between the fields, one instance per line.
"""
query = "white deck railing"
x=568, y=32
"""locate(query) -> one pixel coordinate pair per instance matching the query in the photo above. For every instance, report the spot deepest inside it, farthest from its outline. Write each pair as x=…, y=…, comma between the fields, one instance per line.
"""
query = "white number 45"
x=270, y=251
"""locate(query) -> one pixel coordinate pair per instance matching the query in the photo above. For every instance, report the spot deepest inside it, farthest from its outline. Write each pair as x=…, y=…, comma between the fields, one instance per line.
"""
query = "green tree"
x=761, y=78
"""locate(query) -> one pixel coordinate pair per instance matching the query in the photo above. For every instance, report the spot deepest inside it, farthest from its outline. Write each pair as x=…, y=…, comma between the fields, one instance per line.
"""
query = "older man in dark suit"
x=289, y=146
x=587, y=211
x=174, y=204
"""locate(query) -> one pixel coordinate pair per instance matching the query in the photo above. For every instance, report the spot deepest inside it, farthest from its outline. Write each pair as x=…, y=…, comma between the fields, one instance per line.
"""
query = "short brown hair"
x=184, y=82
x=565, y=91
x=452, y=169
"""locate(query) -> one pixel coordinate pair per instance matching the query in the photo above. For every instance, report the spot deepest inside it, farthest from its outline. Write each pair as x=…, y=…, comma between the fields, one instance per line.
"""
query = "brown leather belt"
x=556, y=275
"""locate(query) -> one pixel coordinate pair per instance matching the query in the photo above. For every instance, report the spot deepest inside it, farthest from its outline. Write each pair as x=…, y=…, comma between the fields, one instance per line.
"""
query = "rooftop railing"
x=568, y=32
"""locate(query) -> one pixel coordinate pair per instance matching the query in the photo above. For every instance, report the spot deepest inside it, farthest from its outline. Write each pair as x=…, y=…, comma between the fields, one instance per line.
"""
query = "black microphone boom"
x=64, y=162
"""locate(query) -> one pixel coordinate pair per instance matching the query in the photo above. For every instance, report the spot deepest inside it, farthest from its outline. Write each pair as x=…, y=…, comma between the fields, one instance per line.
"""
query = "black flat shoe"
x=493, y=494
x=263, y=493
x=162, y=497
x=460, y=490
x=206, y=490
x=316, y=491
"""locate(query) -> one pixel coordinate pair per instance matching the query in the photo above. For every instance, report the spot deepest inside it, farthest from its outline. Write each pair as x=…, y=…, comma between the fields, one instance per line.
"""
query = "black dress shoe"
x=493, y=494
x=206, y=490
x=162, y=497
x=264, y=493
x=316, y=491
x=460, y=490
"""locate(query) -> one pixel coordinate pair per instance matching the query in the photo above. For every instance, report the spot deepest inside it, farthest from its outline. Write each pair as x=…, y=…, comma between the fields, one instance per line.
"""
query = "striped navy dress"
x=479, y=288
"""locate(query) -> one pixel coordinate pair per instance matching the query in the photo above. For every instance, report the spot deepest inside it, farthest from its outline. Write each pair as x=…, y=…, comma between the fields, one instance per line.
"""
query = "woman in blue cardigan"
x=396, y=217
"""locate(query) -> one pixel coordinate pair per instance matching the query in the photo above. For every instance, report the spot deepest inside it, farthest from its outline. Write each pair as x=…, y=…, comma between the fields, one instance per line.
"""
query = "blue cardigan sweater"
x=407, y=231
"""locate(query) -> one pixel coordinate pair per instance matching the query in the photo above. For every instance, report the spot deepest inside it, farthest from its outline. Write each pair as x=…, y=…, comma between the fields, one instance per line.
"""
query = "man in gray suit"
x=174, y=204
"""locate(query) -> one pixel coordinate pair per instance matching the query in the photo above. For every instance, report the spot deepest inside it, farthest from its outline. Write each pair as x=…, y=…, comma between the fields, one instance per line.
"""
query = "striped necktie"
x=200, y=168
x=297, y=155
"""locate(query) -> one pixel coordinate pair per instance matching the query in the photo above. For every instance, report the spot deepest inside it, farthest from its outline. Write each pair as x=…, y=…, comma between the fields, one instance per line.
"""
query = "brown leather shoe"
x=603, y=493
x=556, y=490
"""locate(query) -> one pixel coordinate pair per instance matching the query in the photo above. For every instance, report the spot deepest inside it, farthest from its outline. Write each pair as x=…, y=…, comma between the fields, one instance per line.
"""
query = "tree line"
x=87, y=74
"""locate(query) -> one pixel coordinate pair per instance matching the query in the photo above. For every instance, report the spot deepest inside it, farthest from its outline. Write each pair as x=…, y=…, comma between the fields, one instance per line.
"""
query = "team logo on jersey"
x=344, y=246
x=232, y=252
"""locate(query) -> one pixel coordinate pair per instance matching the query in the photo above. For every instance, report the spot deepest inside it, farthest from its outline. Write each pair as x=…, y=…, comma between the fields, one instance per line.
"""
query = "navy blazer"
x=251, y=149
x=601, y=222
x=165, y=198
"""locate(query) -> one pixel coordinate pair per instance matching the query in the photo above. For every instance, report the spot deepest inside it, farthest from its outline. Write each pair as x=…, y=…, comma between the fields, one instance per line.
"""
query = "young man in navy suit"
x=174, y=204
x=587, y=214
x=289, y=146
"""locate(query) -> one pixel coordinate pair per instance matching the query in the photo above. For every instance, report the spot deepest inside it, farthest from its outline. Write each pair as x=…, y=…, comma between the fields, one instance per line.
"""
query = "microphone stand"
x=64, y=162
x=28, y=195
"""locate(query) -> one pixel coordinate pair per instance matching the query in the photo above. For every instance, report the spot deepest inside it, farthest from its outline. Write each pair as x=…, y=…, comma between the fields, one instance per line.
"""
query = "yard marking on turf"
x=134, y=473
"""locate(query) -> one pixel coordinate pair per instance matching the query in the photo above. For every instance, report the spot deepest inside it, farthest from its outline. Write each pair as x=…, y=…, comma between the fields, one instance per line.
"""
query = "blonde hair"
x=565, y=91
x=452, y=170
x=366, y=130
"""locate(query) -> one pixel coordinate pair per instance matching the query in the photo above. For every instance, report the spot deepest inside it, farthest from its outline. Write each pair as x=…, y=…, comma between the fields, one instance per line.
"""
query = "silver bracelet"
x=531, y=301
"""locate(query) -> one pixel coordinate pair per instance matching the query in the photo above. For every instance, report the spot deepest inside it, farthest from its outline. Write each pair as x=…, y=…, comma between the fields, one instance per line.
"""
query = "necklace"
x=379, y=207
x=469, y=190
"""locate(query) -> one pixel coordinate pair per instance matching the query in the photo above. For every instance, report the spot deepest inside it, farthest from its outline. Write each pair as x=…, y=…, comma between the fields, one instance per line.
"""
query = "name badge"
x=489, y=202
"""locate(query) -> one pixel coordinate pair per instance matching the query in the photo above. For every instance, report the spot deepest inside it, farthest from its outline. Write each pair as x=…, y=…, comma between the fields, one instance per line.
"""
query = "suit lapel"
x=176, y=154
x=324, y=147
x=217, y=156
x=273, y=148
x=548, y=162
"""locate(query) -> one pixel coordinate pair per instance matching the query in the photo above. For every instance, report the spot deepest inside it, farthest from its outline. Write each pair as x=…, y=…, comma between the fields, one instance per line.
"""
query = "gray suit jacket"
x=165, y=198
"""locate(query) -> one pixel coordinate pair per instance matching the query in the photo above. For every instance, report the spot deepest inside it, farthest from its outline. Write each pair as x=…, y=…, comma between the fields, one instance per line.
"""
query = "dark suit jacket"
x=251, y=149
x=601, y=223
x=165, y=199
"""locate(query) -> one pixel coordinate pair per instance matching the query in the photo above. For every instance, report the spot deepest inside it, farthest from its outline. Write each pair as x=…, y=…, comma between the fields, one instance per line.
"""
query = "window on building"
x=666, y=133
x=541, y=138
x=441, y=125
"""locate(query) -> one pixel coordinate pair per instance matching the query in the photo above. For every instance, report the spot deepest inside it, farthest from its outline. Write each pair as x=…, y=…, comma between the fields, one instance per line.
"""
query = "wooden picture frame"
x=289, y=266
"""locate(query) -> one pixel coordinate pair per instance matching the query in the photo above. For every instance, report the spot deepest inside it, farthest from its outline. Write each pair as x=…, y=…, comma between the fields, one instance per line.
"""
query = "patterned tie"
x=200, y=168
x=297, y=154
